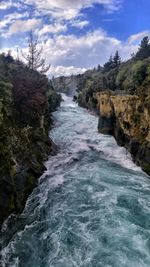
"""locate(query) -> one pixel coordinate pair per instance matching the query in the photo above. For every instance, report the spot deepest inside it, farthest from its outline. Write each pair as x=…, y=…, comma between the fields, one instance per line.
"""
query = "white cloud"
x=23, y=26
x=70, y=9
x=58, y=11
x=67, y=4
x=80, y=24
x=10, y=18
x=55, y=28
x=85, y=51
x=138, y=36
x=64, y=71
x=70, y=54
x=15, y=16
x=5, y=5
x=63, y=14
x=10, y=3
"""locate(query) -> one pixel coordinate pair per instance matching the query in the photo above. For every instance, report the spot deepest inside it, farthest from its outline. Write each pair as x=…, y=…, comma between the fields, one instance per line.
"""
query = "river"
x=91, y=207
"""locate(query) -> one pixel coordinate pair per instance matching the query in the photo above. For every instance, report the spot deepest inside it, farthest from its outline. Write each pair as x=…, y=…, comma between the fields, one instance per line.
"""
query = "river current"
x=91, y=207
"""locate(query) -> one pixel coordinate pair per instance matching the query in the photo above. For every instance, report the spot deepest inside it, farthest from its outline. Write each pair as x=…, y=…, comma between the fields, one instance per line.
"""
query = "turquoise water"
x=90, y=209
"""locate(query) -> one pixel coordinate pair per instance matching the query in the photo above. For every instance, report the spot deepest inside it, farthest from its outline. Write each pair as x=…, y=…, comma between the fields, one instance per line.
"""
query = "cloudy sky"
x=75, y=34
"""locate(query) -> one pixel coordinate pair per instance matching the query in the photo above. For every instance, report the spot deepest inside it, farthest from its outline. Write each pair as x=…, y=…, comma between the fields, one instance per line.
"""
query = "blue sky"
x=75, y=34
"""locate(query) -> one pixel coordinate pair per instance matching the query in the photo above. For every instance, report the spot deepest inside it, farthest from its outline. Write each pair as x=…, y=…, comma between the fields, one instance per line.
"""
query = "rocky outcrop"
x=127, y=118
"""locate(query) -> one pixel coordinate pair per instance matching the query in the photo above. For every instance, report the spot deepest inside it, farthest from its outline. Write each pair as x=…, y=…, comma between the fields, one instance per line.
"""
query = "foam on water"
x=67, y=101
x=85, y=137
x=91, y=207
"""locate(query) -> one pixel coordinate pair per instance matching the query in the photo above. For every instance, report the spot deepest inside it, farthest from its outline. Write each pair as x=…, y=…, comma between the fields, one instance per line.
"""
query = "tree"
x=113, y=62
x=109, y=65
x=140, y=73
x=34, y=57
x=116, y=59
x=98, y=67
x=29, y=95
x=144, y=43
x=144, y=49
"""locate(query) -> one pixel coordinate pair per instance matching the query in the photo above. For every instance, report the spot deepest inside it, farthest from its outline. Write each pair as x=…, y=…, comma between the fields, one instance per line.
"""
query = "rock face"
x=27, y=150
x=127, y=118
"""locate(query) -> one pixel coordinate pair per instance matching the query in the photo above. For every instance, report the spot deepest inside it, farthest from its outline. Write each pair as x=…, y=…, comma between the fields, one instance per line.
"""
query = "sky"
x=76, y=35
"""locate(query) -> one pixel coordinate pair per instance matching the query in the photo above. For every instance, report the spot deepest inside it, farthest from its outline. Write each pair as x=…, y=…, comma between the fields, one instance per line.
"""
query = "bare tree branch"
x=34, y=57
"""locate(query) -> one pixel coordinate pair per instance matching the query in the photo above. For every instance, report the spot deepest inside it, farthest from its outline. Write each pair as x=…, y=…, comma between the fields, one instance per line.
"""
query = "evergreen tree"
x=109, y=65
x=144, y=49
x=98, y=67
x=116, y=59
x=144, y=43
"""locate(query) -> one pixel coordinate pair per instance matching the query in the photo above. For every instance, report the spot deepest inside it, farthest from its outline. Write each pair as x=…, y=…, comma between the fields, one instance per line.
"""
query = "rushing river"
x=91, y=207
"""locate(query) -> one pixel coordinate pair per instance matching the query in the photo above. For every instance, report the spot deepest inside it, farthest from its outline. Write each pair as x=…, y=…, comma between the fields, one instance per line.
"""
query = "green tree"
x=140, y=73
x=109, y=64
x=144, y=49
x=144, y=43
x=116, y=59
x=98, y=67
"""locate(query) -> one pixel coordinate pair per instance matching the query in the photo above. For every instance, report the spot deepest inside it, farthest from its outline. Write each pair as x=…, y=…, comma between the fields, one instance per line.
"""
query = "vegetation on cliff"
x=26, y=100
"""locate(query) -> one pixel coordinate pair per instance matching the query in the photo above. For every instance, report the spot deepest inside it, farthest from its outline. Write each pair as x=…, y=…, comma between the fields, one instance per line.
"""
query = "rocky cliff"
x=27, y=100
x=22, y=156
x=127, y=118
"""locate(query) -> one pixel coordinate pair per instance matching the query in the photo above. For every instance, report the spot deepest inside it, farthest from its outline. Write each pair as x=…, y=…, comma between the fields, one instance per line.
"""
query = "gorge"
x=88, y=204
x=90, y=208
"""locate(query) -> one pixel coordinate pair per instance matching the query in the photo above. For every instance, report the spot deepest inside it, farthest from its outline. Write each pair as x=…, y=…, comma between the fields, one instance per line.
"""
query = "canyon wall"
x=127, y=118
